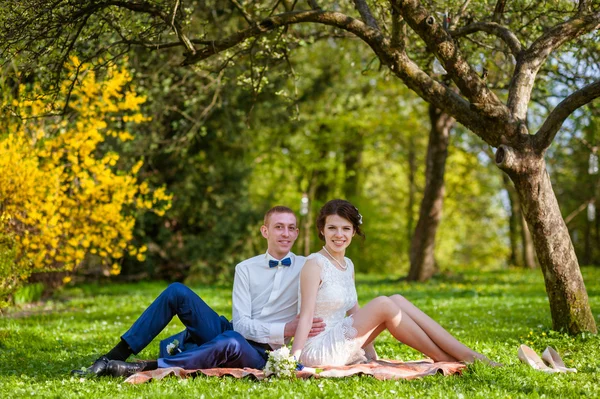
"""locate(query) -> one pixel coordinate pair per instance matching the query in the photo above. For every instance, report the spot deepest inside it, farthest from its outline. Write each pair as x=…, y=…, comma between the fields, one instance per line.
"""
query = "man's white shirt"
x=265, y=298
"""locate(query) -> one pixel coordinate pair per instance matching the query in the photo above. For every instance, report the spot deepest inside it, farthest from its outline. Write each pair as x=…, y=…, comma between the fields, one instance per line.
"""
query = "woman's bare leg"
x=437, y=333
x=383, y=310
x=374, y=334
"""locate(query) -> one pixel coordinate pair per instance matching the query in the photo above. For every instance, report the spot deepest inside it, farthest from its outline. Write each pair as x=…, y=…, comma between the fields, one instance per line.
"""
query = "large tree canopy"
x=494, y=54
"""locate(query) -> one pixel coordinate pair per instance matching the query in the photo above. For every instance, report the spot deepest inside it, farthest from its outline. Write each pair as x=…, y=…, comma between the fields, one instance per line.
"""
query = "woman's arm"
x=310, y=277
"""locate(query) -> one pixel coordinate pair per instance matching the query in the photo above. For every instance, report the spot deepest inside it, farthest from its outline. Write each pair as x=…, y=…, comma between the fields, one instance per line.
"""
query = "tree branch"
x=531, y=59
x=398, y=40
x=444, y=98
x=365, y=13
x=577, y=211
x=179, y=31
x=60, y=64
x=137, y=6
x=461, y=13
x=499, y=10
x=495, y=29
x=371, y=36
x=143, y=7
x=583, y=6
x=314, y=5
x=241, y=9
x=400, y=64
x=440, y=42
x=157, y=45
x=544, y=136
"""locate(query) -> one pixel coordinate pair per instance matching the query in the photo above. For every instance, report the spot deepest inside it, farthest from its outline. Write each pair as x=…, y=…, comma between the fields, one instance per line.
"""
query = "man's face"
x=281, y=232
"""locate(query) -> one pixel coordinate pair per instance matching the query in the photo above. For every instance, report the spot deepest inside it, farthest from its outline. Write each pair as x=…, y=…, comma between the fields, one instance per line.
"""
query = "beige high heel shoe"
x=528, y=356
x=552, y=357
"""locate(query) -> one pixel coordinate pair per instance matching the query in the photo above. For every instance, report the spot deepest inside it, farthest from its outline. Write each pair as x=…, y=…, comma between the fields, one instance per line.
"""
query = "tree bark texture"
x=564, y=284
x=422, y=254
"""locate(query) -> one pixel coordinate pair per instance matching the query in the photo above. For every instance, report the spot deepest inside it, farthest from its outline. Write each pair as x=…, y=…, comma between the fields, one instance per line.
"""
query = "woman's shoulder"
x=315, y=255
x=316, y=259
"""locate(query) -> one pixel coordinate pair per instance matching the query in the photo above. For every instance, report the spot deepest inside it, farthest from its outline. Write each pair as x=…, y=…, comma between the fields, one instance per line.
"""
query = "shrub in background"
x=61, y=198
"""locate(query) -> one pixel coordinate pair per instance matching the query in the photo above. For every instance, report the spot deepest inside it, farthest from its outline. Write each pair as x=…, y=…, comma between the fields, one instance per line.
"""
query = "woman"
x=328, y=291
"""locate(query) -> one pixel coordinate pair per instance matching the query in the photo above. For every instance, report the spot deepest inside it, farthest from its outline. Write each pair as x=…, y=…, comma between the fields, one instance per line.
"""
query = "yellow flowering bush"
x=61, y=198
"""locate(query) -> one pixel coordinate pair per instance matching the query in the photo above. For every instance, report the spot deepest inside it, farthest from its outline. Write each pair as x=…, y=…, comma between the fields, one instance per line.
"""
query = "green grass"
x=493, y=312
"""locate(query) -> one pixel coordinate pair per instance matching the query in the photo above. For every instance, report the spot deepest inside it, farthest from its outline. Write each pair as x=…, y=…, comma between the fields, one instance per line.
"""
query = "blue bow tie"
x=283, y=262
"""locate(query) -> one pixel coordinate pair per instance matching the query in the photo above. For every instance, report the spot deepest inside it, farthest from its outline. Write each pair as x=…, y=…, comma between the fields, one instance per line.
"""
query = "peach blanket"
x=381, y=369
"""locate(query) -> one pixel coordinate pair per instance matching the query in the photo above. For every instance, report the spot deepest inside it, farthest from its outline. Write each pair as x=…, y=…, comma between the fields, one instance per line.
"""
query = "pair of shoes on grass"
x=550, y=362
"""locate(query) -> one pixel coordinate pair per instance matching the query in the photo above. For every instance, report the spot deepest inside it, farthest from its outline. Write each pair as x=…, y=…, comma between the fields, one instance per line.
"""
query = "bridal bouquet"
x=173, y=347
x=281, y=363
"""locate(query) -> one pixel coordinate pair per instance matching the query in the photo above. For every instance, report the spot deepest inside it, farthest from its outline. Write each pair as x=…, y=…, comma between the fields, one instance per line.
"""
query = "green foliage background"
x=310, y=111
x=259, y=136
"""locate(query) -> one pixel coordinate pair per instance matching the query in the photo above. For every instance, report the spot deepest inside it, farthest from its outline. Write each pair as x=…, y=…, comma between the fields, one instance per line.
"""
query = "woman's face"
x=338, y=233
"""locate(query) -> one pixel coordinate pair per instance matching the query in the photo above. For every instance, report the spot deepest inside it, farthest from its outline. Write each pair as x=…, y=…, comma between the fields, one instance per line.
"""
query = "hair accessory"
x=359, y=216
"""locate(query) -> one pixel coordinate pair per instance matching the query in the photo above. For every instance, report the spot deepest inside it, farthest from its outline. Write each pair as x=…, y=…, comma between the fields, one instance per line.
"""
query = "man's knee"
x=232, y=339
x=176, y=290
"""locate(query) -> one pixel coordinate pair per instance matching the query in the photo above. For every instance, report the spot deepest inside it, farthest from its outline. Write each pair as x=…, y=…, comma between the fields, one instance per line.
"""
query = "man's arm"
x=318, y=326
x=255, y=330
x=243, y=323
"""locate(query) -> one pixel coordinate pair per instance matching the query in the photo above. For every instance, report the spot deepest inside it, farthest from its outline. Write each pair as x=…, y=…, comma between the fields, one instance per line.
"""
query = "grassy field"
x=493, y=312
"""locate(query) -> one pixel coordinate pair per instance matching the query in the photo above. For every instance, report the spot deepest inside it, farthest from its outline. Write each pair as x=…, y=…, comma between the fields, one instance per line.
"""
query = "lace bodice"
x=336, y=295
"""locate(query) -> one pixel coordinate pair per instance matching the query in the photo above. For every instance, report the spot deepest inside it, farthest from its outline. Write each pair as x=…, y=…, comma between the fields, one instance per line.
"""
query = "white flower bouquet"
x=281, y=363
x=173, y=348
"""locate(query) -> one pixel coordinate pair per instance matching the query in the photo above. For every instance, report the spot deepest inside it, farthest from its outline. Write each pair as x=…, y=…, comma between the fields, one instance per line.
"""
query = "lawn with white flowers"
x=493, y=312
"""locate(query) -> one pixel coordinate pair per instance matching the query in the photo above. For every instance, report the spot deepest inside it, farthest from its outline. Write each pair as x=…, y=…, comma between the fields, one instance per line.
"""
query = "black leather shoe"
x=99, y=368
x=119, y=368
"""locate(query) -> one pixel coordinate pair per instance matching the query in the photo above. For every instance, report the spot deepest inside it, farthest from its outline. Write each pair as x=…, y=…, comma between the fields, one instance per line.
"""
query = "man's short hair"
x=277, y=209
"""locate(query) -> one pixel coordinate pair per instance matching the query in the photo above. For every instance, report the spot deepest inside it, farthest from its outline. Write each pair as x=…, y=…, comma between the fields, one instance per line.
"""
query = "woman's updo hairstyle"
x=341, y=208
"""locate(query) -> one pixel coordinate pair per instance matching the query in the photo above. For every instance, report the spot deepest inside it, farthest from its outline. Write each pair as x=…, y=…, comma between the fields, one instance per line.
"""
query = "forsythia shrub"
x=61, y=199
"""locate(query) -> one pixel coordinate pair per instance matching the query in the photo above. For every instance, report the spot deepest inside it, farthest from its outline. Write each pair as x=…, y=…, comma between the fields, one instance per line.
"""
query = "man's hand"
x=317, y=327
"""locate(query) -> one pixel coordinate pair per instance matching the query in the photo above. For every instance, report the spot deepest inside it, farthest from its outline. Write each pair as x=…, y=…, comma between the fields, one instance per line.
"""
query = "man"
x=265, y=304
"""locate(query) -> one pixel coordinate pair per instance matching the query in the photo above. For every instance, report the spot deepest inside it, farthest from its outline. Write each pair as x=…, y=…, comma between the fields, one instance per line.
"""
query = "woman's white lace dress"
x=336, y=346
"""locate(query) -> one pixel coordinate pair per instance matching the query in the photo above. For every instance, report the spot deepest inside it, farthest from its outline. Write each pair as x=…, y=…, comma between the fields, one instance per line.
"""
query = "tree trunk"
x=308, y=218
x=568, y=297
x=514, y=223
x=353, y=149
x=529, y=258
x=412, y=172
x=595, y=259
x=422, y=246
x=587, y=252
x=522, y=251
